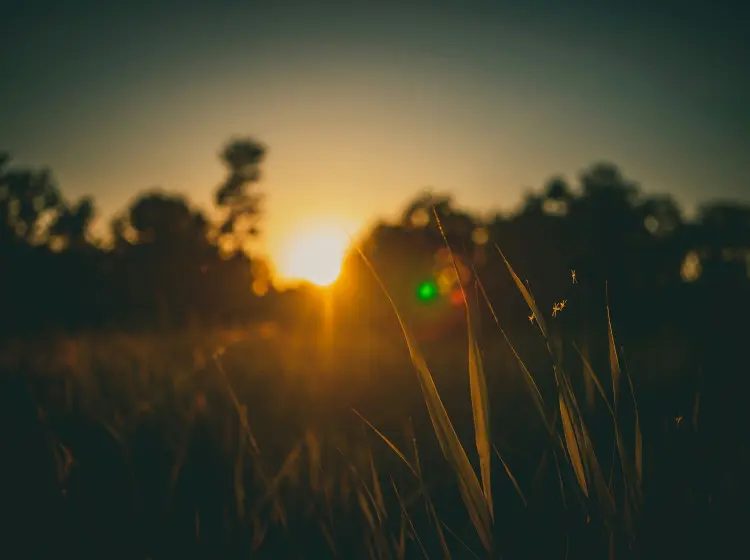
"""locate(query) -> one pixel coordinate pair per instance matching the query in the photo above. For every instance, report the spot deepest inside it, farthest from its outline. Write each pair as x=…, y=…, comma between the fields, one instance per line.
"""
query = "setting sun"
x=315, y=256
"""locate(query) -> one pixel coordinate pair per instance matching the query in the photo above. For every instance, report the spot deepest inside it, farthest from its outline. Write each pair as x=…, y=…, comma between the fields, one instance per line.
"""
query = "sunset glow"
x=315, y=256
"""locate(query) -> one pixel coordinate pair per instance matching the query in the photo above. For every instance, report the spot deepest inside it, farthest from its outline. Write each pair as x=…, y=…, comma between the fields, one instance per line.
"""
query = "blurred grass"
x=242, y=443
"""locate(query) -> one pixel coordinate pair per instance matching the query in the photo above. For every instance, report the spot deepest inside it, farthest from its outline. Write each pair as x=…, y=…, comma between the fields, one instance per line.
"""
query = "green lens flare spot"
x=427, y=291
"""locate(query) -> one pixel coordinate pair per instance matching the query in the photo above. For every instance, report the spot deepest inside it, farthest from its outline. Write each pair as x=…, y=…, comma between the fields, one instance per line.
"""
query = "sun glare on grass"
x=315, y=256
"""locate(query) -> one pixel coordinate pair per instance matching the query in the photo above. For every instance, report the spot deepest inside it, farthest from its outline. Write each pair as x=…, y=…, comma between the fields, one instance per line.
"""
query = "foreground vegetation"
x=316, y=442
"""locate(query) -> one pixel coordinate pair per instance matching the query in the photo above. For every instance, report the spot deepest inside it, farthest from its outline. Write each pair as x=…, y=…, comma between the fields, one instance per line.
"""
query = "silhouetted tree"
x=166, y=258
x=168, y=255
x=242, y=157
x=72, y=223
x=606, y=227
x=28, y=200
x=723, y=239
x=25, y=197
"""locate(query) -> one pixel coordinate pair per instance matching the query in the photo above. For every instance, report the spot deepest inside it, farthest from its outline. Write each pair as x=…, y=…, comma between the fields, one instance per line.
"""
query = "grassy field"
x=328, y=441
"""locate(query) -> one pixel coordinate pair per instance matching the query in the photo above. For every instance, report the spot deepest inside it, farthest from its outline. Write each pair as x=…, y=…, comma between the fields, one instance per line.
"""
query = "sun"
x=315, y=256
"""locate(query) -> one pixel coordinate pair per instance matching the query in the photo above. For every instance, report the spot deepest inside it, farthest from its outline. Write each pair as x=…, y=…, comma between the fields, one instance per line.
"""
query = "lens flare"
x=427, y=291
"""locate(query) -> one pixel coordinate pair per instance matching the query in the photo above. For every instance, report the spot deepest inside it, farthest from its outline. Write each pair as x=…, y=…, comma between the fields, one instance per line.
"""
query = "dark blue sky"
x=363, y=104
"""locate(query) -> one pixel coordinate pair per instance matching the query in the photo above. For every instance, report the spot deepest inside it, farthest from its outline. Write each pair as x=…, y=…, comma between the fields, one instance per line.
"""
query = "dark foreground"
x=157, y=446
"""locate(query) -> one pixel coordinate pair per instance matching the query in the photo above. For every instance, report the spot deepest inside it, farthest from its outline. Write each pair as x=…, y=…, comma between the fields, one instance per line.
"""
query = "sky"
x=364, y=104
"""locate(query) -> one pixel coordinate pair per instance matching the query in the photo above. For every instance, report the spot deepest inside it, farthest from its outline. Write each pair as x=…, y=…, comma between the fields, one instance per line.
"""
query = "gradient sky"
x=364, y=104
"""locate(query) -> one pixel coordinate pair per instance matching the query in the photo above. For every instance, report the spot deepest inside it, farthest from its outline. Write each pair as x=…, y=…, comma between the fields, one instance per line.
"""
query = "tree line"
x=167, y=263
x=164, y=263
x=577, y=247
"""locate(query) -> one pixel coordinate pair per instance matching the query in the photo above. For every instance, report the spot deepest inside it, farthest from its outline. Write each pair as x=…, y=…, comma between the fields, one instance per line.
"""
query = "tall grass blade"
x=439, y=529
x=606, y=500
x=526, y=294
x=257, y=466
x=619, y=443
x=559, y=477
x=422, y=489
x=638, y=436
x=471, y=491
x=528, y=378
x=400, y=545
x=592, y=470
x=573, y=443
x=287, y=468
x=364, y=506
x=478, y=385
x=460, y=540
x=390, y=444
x=259, y=533
x=533, y=387
x=329, y=539
x=314, y=457
x=362, y=482
x=592, y=375
x=510, y=475
x=480, y=406
x=589, y=385
x=614, y=361
x=377, y=492
x=408, y=519
x=632, y=472
x=469, y=487
x=239, y=470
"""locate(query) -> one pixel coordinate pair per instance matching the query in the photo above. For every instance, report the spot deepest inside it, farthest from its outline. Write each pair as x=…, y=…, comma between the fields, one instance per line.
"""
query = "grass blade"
x=471, y=491
x=606, y=501
x=632, y=472
x=478, y=386
x=408, y=519
x=559, y=477
x=572, y=443
x=533, y=387
x=239, y=469
x=469, y=487
x=480, y=406
x=528, y=378
x=510, y=475
x=614, y=361
x=439, y=529
x=390, y=444
x=460, y=541
x=526, y=294
x=594, y=378
x=422, y=488
x=638, y=437
x=638, y=448
x=400, y=544
x=377, y=492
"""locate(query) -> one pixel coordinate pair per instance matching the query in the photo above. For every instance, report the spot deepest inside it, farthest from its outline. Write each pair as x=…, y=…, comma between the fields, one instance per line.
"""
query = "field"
x=271, y=441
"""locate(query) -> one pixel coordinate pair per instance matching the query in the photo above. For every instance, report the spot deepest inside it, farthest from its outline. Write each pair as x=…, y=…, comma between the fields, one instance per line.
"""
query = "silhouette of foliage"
x=72, y=223
x=242, y=157
x=166, y=262
x=25, y=197
x=606, y=229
